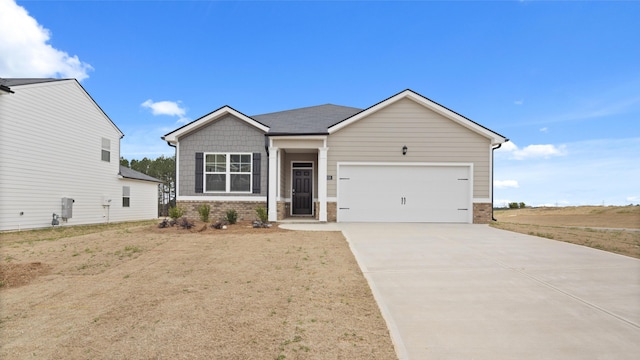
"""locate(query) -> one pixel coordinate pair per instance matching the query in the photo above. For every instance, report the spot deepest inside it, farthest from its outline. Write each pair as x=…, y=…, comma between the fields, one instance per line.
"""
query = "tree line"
x=162, y=168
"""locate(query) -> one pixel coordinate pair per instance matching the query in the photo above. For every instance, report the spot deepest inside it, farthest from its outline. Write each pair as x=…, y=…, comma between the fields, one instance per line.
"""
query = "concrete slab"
x=452, y=291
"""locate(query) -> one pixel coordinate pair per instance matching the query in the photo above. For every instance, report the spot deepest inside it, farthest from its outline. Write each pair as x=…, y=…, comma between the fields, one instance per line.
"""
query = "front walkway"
x=453, y=291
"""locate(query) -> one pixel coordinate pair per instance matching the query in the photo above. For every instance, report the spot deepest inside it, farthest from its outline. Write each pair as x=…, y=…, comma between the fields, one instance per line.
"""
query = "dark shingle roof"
x=308, y=120
x=128, y=173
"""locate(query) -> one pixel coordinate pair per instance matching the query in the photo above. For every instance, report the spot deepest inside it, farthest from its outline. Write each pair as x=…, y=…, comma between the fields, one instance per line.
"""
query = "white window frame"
x=227, y=173
x=106, y=149
x=126, y=194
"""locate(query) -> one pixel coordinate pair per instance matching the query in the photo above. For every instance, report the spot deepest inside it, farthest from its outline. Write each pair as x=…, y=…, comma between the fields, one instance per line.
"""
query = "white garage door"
x=404, y=193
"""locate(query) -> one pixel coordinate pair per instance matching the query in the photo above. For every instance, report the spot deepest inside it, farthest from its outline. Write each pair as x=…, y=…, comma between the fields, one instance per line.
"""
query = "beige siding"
x=429, y=137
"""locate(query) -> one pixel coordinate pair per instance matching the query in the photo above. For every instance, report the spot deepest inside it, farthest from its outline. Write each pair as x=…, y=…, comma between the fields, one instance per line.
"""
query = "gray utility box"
x=67, y=208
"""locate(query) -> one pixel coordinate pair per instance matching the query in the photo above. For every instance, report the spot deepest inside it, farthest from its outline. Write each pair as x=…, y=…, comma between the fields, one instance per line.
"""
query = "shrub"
x=176, y=212
x=204, y=210
x=262, y=214
x=231, y=217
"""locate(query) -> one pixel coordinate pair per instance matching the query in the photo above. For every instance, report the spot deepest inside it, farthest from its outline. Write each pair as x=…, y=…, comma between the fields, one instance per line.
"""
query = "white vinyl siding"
x=52, y=133
x=429, y=137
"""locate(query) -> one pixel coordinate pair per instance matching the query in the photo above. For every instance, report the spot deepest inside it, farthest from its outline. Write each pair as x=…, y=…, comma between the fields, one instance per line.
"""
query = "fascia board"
x=173, y=136
x=298, y=137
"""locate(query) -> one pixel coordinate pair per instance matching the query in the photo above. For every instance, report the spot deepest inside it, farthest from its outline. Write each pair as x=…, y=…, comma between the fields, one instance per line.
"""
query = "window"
x=126, y=196
x=106, y=150
x=227, y=173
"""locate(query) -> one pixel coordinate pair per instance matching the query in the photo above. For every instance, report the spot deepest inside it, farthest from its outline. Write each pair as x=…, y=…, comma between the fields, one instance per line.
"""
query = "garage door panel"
x=383, y=193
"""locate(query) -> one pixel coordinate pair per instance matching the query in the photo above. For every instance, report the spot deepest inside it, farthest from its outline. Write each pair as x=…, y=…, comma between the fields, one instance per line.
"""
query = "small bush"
x=262, y=214
x=176, y=212
x=231, y=217
x=204, y=210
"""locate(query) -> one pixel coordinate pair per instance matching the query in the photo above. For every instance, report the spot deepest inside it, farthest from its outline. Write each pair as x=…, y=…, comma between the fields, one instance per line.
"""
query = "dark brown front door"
x=302, y=192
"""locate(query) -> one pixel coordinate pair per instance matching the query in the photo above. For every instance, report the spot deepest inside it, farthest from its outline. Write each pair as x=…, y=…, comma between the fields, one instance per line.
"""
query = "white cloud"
x=532, y=151
x=518, y=102
x=502, y=184
x=25, y=49
x=544, y=130
x=170, y=108
x=592, y=172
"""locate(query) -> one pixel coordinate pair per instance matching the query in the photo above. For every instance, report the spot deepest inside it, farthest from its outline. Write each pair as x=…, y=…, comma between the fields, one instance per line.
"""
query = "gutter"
x=493, y=165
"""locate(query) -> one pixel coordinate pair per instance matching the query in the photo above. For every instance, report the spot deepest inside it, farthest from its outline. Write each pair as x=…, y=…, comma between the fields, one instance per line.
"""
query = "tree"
x=164, y=169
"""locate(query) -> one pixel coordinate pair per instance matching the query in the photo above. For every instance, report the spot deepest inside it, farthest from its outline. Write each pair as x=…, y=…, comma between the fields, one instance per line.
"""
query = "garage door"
x=404, y=193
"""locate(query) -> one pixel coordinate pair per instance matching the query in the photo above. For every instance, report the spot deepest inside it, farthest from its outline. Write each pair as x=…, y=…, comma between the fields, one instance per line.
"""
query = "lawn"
x=135, y=291
x=609, y=228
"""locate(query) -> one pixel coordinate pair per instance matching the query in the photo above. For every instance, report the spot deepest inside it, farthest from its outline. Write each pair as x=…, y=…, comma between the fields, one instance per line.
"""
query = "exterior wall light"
x=404, y=150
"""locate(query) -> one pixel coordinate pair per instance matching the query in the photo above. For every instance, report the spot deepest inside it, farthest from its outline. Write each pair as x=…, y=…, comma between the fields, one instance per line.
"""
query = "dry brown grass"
x=135, y=291
x=598, y=227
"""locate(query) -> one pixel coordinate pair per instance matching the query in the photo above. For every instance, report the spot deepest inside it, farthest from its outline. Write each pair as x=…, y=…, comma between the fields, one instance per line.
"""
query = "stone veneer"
x=246, y=209
x=482, y=213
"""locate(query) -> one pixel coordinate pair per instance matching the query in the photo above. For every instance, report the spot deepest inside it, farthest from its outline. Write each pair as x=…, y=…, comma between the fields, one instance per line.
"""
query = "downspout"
x=493, y=165
x=266, y=149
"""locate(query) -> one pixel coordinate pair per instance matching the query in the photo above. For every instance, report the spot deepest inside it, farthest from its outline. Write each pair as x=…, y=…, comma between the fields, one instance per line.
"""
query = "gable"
x=48, y=93
x=201, y=123
x=427, y=104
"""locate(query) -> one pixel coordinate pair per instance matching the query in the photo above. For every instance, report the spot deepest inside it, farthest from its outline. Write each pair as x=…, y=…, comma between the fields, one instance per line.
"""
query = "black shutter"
x=199, y=172
x=256, y=173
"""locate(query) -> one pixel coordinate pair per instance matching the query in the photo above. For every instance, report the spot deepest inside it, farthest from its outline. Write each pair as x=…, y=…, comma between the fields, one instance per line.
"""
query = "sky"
x=561, y=80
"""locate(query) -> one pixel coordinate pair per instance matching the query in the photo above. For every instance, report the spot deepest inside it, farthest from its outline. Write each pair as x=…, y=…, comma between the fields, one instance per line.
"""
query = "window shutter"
x=199, y=172
x=256, y=173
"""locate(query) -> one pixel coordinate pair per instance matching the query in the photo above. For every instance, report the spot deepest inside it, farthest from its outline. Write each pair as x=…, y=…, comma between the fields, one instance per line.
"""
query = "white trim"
x=408, y=94
x=312, y=185
x=481, y=200
x=227, y=173
x=273, y=184
x=418, y=164
x=221, y=198
x=322, y=183
x=298, y=137
x=172, y=137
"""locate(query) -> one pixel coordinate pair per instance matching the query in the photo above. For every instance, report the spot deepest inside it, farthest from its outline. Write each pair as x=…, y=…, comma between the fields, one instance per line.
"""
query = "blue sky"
x=561, y=80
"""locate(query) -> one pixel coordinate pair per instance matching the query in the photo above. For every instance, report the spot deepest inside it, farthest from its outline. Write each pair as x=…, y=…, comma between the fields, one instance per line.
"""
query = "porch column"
x=322, y=183
x=273, y=184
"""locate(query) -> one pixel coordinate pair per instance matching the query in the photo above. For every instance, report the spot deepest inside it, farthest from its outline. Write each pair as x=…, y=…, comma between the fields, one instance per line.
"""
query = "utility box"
x=67, y=208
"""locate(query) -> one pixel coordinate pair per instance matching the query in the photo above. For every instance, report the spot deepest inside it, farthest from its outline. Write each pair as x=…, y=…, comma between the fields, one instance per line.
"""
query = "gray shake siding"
x=227, y=134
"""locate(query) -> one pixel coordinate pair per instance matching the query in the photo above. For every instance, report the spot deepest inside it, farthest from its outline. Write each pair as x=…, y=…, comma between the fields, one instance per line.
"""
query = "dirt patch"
x=15, y=275
x=140, y=292
x=598, y=227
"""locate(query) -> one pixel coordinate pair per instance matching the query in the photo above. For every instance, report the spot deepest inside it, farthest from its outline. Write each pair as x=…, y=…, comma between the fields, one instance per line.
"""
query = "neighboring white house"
x=60, y=154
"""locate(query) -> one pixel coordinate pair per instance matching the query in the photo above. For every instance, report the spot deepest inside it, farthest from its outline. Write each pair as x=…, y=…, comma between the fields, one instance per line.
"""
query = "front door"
x=302, y=192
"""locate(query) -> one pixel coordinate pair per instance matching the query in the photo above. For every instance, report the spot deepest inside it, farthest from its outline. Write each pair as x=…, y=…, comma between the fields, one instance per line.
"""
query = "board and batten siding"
x=225, y=135
x=429, y=137
x=51, y=148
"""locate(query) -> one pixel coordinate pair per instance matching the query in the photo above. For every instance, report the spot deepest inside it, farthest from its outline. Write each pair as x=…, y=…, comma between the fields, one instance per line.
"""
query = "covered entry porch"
x=297, y=177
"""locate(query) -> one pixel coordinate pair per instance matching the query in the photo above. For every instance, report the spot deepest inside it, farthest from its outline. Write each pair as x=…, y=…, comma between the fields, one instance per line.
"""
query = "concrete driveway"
x=452, y=291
